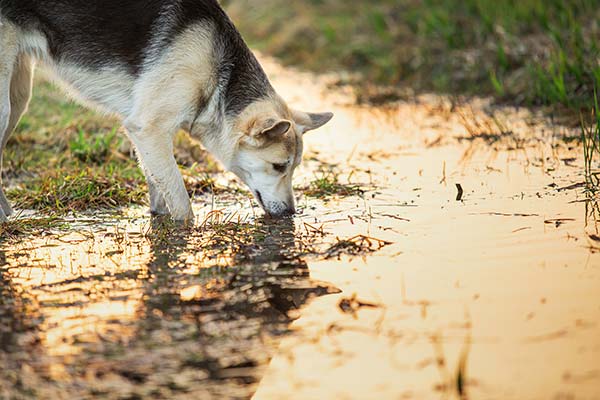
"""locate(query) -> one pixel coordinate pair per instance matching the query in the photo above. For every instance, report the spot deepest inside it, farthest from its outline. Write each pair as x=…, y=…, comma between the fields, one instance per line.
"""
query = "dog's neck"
x=239, y=84
x=212, y=128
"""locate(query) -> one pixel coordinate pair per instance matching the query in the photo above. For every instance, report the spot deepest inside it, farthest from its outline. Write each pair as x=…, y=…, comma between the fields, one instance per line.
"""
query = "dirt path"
x=489, y=286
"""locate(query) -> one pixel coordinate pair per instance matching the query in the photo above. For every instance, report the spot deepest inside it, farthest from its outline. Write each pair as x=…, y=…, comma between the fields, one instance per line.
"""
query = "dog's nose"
x=289, y=211
x=280, y=212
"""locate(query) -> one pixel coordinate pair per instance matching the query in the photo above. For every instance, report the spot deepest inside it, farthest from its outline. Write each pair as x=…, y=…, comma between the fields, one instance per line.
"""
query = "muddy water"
x=489, y=293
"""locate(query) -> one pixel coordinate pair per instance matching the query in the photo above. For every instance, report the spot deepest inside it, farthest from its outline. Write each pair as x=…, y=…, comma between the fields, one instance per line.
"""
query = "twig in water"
x=459, y=196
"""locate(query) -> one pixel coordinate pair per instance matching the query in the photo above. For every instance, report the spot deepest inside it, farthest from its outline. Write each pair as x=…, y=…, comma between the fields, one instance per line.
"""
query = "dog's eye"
x=280, y=167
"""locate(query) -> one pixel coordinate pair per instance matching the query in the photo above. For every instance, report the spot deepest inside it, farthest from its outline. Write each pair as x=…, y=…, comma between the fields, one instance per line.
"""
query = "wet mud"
x=466, y=266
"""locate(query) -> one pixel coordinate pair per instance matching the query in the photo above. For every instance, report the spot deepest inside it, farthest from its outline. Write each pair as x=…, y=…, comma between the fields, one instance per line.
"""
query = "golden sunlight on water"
x=85, y=283
x=500, y=290
x=488, y=291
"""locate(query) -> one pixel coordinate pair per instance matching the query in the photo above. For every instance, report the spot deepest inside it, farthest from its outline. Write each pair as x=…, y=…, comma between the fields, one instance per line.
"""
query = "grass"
x=541, y=52
x=356, y=245
x=95, y=149
x=86, y=171
x=64, y=158
x=79, y=188
x=590, y=137
x=28, y=226
x=327, y=183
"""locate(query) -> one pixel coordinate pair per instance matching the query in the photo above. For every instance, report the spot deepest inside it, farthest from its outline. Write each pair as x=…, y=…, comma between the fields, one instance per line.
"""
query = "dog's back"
x=128, y=37
x=94, y=33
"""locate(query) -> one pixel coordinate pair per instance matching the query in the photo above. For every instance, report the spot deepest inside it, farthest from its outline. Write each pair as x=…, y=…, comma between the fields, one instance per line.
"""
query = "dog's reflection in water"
x=187, y=329
x=228, y=316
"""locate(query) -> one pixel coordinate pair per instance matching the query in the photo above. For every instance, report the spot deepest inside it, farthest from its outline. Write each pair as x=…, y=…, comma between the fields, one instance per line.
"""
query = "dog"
x=161, y=66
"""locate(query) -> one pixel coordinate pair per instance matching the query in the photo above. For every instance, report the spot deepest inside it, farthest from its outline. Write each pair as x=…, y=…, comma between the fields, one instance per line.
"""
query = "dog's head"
x=269, y=148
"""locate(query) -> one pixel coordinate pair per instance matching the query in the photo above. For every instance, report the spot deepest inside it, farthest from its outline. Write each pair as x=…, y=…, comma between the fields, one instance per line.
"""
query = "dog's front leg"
x=8, y=56
x=158, y=205
x=4, y=118
x=155, y=151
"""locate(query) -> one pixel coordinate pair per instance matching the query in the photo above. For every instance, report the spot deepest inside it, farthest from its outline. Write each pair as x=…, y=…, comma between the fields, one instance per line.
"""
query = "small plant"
x=355, y=245
x=590, y=136
x=94, y=148
x=28, y=226
x=497, y=84
x=328, y=184
x=488, y=128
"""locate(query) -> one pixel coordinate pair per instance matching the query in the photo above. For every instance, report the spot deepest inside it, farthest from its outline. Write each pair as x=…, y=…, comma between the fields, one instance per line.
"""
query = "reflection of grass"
x=28, y=226
x=230, y=231
x=541, y=51
x=454, y=383
x=221, y=236
x=488, y=128
x=227, y=238
x=328, y=184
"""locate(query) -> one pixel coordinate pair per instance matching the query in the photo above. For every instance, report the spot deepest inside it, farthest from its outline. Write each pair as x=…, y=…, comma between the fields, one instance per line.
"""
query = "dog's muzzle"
x=275, y=208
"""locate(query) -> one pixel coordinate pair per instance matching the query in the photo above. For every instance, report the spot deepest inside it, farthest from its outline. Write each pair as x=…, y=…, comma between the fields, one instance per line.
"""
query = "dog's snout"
x=289, y=211
x=286, y=212
x=260, y=199
x=279, y=210
x=275, y=208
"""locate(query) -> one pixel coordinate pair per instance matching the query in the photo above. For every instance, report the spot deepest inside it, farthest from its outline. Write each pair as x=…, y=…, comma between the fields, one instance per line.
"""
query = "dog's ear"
x=309, y=121
x=267, y=130
x=276, y=130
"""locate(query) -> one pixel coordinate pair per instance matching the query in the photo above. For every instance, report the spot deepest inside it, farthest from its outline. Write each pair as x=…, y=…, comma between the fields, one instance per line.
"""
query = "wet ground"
x=468, y=267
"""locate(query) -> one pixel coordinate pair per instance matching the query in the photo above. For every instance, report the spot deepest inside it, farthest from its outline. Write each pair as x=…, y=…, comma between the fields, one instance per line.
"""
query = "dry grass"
x=19, y=227
x=356, y=245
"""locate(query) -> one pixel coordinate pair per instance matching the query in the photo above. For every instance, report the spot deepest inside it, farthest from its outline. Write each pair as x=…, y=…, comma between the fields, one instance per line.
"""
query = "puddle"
x=414, y=289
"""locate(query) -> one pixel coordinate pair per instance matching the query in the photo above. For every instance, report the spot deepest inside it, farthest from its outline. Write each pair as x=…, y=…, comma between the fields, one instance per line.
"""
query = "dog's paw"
x=183, y=216
x=159, y=211
x=5, y=205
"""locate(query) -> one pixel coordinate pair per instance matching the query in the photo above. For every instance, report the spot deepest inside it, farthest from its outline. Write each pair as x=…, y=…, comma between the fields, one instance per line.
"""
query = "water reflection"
x=149, y=311
x=132, y=310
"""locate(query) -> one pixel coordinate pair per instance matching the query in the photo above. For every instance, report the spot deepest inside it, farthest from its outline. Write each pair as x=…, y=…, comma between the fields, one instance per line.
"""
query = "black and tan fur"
x=161, y=65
